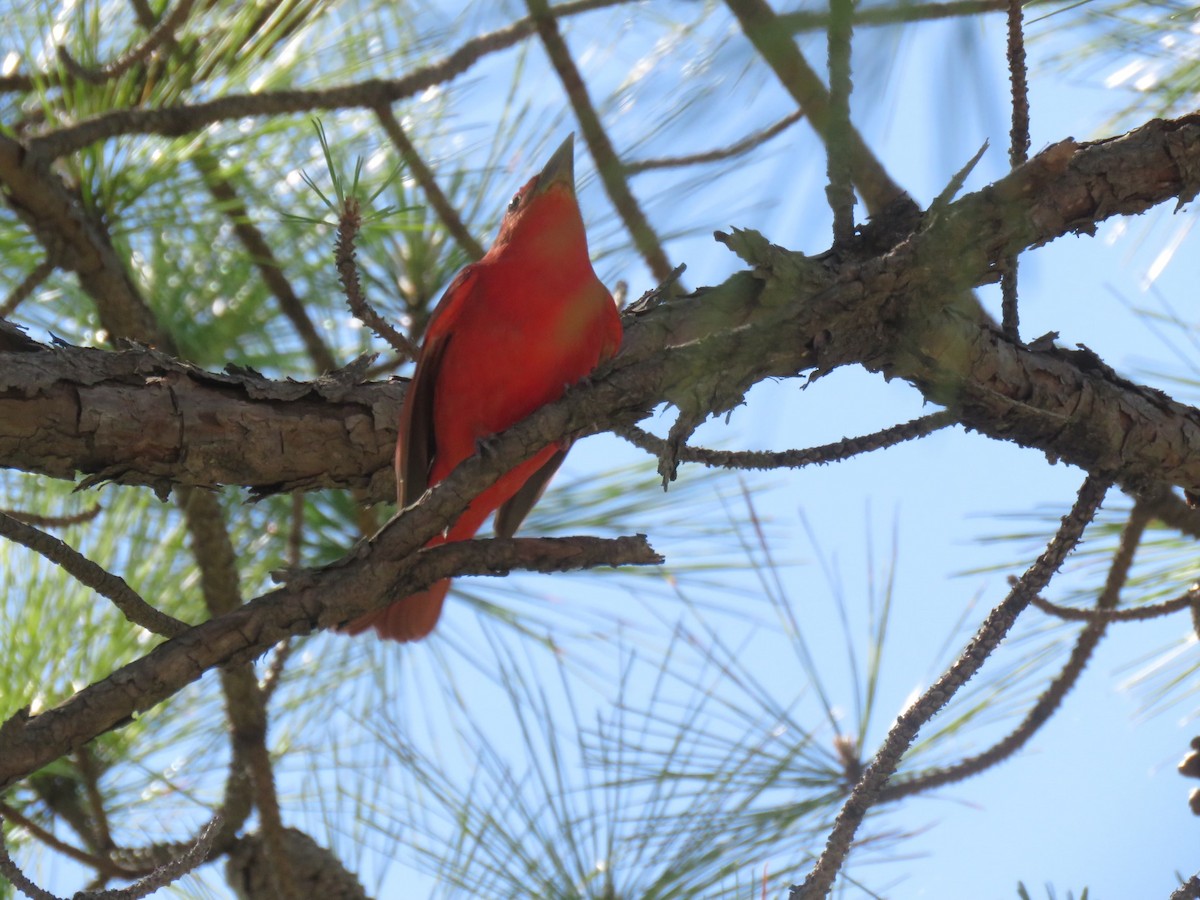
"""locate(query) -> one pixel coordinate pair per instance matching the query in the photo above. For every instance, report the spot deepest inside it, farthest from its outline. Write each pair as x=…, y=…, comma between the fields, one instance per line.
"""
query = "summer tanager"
x=509, y=335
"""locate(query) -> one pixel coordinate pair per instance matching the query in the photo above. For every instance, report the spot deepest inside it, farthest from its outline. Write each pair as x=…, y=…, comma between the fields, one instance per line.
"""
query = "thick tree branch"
x=139, y=417
x=895, y=303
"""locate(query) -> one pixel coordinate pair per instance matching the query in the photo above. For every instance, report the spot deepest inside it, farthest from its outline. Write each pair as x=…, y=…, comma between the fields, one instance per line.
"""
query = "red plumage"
x=509, y=335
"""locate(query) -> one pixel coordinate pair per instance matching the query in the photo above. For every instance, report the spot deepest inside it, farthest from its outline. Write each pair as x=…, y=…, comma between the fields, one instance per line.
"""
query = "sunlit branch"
x=424, y=176
x=608, y=163
x=995, y=627
x=745, y=145
x=92, y=575
x=186, y=119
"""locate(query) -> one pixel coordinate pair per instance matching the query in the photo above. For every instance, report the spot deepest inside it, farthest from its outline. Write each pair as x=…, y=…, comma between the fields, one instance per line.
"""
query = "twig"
x=10, y=870
x=193, y=854
x=428, y=181
x=39, y=521
x=343, y=253
x=25, y=289
x=1138, y=614
x=608, y=164
x=745, y=145
x=1051, y=698
x=993, y=630
x=840, y=191
x=1018, y=153
x=89, y=574
x=792, y=459
x=94, y=861
x=162, y=32
x=954, y=185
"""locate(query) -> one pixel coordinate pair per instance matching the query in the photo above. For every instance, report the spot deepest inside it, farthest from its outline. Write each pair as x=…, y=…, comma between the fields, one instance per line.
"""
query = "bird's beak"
x=561, y=167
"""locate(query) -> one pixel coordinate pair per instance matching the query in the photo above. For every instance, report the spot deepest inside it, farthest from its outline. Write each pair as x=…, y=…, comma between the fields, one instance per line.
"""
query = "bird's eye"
x=515, y=203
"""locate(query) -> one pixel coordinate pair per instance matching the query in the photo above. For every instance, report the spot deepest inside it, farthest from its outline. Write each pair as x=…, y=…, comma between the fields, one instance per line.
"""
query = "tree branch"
x=140, y=417
x=371, y=577
x=993, y=630
x=1052, y=697
x=174, y=121
x=792, y=459
x=94, y=576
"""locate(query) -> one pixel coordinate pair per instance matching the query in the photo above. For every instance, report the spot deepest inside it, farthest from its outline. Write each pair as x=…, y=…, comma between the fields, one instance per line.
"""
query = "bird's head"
x=543, y=217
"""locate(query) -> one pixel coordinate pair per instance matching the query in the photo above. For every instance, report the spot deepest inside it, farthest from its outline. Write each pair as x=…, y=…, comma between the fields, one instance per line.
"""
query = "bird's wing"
x=513, y=511
x=417, y=446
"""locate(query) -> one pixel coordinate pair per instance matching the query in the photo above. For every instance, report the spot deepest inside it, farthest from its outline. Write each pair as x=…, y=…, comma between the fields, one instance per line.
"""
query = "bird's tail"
x=415, y=616
x=409, y=619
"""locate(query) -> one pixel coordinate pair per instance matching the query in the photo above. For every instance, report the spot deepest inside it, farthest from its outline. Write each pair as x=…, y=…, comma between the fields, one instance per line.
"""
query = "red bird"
x=509, y=335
